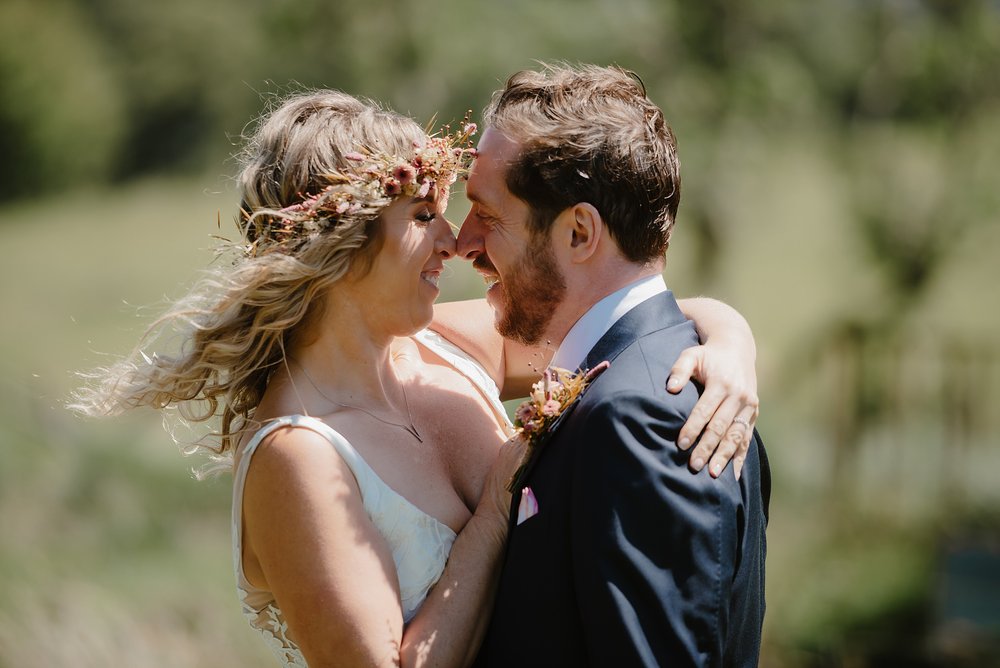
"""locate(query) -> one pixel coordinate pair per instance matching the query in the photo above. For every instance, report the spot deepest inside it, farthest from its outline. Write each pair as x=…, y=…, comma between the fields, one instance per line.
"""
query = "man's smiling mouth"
x=486, y=269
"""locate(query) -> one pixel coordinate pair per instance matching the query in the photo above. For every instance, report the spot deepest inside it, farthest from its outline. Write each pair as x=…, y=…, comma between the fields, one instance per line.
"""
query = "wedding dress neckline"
x=419, y=542
x=321, y=426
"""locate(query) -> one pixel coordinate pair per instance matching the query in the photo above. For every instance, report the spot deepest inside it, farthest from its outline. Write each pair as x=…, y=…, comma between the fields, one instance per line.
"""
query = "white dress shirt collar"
x=596, y=322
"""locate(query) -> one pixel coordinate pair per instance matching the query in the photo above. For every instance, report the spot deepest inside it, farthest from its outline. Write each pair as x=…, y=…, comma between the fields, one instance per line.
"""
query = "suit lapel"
x=537, y=451
x=658, y=312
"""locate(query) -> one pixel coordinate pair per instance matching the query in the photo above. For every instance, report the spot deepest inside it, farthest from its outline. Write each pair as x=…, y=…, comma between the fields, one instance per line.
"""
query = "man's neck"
x=601, y=317
x=591, y=286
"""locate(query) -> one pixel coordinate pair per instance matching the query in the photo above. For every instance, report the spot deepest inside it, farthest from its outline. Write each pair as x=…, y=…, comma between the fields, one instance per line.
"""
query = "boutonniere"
x=535, y=418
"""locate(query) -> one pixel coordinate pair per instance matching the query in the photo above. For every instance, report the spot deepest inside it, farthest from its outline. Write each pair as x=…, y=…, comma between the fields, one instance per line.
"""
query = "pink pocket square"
x=528, y=507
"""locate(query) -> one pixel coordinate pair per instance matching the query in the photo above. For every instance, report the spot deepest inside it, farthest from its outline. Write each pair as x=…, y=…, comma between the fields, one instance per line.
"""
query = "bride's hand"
x=727, y=410
x=508, y=460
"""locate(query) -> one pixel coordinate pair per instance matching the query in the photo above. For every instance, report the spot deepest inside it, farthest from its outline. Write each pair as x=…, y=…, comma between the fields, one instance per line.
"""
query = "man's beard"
x=531, y=294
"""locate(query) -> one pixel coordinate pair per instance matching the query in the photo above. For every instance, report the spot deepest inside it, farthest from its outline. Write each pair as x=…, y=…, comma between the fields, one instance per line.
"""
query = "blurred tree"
x=181, y=66
x=61, y=110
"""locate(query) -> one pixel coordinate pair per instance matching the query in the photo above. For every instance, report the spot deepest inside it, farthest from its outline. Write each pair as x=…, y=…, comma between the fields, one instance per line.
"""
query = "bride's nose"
x=444, y=243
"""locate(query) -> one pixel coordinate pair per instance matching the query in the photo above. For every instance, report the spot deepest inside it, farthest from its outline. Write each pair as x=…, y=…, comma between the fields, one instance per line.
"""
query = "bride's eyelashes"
x=425, y=217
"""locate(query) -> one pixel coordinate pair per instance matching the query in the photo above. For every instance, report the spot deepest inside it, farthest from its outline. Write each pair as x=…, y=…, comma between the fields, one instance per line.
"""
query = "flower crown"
x=364, y=192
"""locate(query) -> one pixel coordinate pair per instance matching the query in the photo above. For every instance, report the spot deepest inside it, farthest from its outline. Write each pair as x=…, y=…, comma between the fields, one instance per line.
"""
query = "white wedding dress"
x=419, y=542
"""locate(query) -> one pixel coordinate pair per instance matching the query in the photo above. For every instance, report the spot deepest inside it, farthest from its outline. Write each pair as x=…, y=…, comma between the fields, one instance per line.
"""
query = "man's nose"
x=470, y=238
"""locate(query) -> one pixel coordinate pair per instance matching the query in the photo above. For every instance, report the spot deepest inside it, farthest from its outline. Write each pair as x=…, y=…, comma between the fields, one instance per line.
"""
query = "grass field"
x=113, y=555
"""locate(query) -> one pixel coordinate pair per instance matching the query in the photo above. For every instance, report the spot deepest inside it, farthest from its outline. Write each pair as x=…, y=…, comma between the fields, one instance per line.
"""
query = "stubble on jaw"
x=531, y=294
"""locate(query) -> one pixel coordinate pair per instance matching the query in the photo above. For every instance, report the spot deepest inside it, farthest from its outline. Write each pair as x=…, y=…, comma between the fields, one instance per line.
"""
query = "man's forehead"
x=497, y=148
x=494, y=153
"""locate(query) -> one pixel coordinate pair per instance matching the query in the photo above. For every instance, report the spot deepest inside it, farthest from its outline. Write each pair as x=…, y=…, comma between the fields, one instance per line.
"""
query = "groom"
x=619, y=555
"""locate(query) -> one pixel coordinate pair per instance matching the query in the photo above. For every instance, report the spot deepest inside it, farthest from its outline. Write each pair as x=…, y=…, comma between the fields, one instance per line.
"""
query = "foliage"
x=61, y=123
x=146, y=87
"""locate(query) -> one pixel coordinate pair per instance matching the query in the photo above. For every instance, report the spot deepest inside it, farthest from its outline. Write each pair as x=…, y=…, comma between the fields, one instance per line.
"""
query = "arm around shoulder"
x=469, y=325
x=512, y=365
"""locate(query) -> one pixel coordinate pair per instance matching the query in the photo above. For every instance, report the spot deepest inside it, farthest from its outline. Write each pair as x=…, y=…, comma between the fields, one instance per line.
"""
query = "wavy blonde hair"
x=237, y=322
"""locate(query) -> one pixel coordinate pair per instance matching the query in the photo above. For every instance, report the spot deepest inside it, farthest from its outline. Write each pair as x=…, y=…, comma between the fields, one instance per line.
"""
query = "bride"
x=384, y=548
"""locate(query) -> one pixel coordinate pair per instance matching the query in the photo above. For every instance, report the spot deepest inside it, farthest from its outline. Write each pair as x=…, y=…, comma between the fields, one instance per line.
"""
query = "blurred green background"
x=841, y=160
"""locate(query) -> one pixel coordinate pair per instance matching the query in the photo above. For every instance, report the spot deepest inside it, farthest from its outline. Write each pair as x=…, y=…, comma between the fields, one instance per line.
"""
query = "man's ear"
x=586, y=231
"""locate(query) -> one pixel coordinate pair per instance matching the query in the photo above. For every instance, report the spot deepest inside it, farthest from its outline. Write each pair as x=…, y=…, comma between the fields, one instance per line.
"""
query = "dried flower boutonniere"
x=535, y=418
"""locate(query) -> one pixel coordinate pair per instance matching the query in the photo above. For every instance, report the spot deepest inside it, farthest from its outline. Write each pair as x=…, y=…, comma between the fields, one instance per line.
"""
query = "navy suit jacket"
x=632, y=559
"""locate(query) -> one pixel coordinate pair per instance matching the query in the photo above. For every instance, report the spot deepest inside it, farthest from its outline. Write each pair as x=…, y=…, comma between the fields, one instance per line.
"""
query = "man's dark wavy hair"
x=590, y=134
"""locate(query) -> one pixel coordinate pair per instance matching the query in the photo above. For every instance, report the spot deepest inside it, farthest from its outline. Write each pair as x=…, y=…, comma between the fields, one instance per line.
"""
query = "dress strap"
x=469, y=367
x=359, y=468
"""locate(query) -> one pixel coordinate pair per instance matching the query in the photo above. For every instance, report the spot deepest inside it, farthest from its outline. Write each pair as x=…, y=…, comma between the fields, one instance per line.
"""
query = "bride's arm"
x=451, y=624
x=724, y=364
x=309, y=540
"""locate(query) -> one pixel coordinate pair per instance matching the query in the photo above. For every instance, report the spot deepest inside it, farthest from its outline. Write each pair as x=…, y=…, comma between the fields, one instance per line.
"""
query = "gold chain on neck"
x=410, y=428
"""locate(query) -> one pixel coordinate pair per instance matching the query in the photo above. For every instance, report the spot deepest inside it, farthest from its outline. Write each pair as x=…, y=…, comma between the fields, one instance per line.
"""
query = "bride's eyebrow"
x=428, y=199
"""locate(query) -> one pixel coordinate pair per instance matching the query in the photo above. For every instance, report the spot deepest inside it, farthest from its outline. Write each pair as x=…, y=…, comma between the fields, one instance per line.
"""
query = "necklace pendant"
x=413, y=432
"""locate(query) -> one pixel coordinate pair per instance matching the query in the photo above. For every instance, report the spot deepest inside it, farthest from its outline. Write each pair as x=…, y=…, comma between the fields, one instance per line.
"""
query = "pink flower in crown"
x=404, y=174
x=435, y=164
x=392, y=187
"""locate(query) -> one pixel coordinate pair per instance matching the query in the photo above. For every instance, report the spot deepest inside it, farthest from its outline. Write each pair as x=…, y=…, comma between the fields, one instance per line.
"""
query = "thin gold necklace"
x=408, y=428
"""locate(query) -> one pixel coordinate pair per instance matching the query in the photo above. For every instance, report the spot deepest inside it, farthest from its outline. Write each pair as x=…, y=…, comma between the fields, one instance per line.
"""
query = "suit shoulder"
x=653, y=354
x=637, y=378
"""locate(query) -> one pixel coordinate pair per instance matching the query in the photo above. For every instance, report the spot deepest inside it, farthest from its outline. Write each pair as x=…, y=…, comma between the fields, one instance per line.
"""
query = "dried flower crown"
x=363, y=192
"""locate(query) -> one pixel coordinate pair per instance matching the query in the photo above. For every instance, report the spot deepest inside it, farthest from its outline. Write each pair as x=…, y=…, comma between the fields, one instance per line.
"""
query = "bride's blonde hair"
x=237, y=322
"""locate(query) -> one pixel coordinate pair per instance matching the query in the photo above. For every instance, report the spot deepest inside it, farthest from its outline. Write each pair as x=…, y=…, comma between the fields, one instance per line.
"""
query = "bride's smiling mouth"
x=432, y=277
